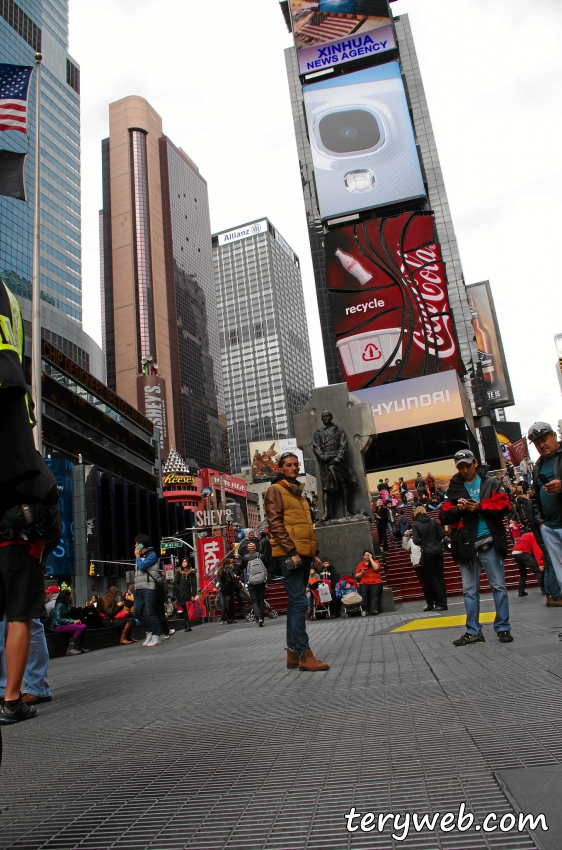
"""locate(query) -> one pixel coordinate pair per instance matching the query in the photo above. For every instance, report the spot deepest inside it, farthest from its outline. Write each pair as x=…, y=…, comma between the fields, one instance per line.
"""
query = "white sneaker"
x=363, y=613
x=171, y=632
x=167, y=637
x=147, y=639
x=155, y=641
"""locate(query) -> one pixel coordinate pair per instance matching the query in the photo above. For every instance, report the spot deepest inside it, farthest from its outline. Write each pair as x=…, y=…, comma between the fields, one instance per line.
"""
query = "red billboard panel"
x=210, y=552
x=388, y=299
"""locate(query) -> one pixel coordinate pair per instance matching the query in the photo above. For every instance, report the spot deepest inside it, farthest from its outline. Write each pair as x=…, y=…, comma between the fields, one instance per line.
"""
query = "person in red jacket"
x=368, y=574
x=526, y=553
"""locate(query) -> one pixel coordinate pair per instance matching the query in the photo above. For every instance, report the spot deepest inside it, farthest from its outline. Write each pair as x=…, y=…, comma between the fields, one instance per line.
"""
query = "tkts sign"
x=388, y=300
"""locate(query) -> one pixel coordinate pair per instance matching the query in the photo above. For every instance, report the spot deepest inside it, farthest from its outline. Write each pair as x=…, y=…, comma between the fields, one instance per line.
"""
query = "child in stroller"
x=346, y=590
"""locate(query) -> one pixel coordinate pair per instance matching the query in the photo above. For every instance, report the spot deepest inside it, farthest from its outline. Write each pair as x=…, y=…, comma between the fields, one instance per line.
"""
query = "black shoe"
x=441, y=608
x=467, y=638
x=16, y=713
x=189, y=629
x=428, y=608
x=505, y=637
x=523, y=593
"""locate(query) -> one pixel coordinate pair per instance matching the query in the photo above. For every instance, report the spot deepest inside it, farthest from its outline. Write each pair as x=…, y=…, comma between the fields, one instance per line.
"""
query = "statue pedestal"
x=343, y=542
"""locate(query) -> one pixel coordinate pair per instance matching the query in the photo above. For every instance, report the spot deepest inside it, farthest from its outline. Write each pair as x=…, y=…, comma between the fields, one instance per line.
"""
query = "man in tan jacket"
x=294, y=546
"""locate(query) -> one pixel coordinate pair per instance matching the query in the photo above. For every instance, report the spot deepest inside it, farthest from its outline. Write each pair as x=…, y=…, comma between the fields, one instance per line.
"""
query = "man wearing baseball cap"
x=547, y=487
x=475, y=508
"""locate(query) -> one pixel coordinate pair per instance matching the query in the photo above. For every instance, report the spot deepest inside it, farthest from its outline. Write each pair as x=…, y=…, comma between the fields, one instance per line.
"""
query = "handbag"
x=324, y=592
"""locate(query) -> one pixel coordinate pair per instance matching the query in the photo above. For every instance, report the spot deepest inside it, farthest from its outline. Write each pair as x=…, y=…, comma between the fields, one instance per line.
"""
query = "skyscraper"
x=160, y=324
x=437, y=201
x=24, y=30
x=265, y=350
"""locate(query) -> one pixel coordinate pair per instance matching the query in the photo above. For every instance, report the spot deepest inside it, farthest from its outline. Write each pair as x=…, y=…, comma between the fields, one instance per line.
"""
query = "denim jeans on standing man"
x=492, y=564
x=35, y=676
x=553, y=541
x=144, y=610
x=295, y=582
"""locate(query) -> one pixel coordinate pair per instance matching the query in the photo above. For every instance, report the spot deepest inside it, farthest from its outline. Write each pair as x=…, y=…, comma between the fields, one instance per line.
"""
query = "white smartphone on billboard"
x=363, y=145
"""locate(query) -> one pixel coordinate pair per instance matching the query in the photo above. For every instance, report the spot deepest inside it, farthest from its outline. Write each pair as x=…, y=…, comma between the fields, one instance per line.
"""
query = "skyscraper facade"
x=436, y=201
x=26, y=28
x=265, y=349
x=160, y=324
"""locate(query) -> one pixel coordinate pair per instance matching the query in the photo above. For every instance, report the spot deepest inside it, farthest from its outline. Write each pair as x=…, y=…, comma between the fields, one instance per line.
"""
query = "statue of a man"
x=336, y=472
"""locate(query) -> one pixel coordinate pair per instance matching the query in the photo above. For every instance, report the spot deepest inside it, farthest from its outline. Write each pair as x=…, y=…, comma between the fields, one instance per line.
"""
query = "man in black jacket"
x=547, y=484
x=475, y=509
x=382, y=519
x=428, y=534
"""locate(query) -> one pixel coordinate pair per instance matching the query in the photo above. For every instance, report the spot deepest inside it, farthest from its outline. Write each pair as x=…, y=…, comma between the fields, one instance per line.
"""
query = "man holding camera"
x=547, y=485
x=475, y=510
x=294, y=546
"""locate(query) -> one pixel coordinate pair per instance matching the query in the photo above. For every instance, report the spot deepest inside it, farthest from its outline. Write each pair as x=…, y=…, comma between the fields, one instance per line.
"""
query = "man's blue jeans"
x=295, y=582
x=144, y=610
x=391, y=531
x=492, y=564
x=35, y=676
x=550, y=582
x=553, y=541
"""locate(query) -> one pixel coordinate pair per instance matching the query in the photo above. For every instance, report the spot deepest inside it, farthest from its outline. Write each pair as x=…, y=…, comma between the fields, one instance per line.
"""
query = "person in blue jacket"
x=146, y=573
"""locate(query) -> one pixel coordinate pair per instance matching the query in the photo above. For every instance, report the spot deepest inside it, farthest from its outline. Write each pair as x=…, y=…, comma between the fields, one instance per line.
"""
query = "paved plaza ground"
x=209, y=742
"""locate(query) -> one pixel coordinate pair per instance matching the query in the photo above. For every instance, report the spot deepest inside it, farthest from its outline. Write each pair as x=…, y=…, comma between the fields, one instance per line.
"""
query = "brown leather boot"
x=548, y=601
x=307, y=661
x=124, y=638
x=556, y=603
x=292, y=659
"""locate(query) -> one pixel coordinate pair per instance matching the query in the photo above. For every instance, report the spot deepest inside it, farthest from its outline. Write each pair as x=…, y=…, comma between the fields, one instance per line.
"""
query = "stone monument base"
x=344, y=543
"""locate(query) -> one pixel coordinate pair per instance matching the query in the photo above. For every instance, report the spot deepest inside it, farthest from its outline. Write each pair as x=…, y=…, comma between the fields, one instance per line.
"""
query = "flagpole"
x=35, y=281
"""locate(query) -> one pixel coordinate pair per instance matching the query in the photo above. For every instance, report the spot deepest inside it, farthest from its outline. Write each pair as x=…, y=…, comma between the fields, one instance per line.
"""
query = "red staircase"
x=400, y=576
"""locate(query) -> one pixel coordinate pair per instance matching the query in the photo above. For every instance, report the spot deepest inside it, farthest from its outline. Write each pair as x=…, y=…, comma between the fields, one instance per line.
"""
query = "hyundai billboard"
x=334, y=32
x=388, y=301
x=362, y=141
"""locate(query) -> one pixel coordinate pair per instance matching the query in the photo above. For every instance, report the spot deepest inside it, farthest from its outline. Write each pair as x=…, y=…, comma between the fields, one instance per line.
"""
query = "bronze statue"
x=336, y=471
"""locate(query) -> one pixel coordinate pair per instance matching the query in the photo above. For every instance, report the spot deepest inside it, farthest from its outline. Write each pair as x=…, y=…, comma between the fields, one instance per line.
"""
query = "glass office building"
x=265, y=349
x=26, y=28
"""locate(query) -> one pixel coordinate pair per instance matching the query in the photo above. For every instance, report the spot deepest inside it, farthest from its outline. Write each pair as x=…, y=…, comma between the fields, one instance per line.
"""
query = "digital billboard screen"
x=333, y=32
x=362, y=141
x=490, y=347
x=265, y=455
x=388, y=299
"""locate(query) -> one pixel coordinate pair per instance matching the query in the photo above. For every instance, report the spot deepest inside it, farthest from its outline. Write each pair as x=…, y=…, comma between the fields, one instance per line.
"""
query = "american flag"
x=14, y=86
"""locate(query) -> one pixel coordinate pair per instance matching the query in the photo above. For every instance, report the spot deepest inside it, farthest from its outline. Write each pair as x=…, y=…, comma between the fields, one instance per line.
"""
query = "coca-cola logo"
x=427, y=270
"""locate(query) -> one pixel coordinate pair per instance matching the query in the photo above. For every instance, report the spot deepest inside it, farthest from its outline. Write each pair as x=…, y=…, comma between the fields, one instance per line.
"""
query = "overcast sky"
x=492, y=71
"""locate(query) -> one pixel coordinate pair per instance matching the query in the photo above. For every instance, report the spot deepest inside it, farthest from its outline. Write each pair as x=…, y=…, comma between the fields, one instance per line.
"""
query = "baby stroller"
x=346, y=590
x=321, y=598
x=251, y=617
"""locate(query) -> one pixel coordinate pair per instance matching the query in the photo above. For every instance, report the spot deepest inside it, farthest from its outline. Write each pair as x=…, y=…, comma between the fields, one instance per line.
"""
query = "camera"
x=362, y=141
x=290, y=564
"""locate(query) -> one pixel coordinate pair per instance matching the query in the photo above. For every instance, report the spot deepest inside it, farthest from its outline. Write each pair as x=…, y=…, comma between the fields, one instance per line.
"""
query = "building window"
x=22, y=24
x=73, y=76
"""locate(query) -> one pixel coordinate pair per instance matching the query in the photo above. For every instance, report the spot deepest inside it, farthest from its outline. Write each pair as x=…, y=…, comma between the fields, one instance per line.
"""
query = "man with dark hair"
x=146, y=575
x=547, y=485
x=294, y=546
x=475, y=510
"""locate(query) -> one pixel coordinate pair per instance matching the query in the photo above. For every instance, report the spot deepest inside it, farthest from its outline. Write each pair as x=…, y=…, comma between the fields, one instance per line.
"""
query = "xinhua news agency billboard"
x=362, y=141
x=331, y=33
x=388, y=301
x=490, y=347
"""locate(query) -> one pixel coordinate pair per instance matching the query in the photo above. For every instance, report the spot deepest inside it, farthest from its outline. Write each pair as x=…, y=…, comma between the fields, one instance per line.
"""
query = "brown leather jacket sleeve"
x=273, y=504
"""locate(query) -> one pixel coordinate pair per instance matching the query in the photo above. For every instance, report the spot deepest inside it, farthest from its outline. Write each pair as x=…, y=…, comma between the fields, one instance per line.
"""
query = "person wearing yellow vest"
x=294, y=546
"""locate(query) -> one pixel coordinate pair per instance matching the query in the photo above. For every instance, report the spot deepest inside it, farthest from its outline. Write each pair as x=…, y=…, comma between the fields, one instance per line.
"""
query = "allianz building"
x=105, y=455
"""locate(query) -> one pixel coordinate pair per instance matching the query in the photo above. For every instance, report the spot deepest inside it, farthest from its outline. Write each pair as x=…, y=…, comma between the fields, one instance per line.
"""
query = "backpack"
x=256, y=571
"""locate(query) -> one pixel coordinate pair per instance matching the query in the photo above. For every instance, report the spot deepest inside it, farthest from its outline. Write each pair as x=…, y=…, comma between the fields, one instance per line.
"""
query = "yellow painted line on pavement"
x=442, y=622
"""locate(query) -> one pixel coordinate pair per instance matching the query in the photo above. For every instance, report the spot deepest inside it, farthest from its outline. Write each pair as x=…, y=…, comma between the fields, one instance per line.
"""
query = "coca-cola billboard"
x=388, y=299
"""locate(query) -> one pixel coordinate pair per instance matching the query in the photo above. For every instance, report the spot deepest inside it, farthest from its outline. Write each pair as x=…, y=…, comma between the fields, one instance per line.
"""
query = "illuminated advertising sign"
x=362, y=141
x=245, y=232
x=151, y=397
x=210, y=552
x=61, y=560
x=409, y=404
x=334, y=32
x=490, y=347
x=265, y=456
x=388, y=301
x=211, y=478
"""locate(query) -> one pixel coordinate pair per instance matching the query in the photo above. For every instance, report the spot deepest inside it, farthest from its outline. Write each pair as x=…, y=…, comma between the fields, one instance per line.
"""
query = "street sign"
x=171, y=544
